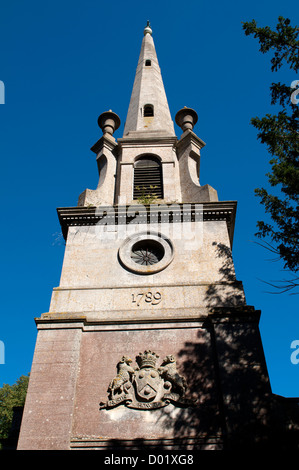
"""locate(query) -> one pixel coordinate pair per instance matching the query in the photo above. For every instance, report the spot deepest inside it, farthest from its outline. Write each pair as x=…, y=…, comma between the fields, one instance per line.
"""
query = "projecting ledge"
x=187, y=318
x=121, y=214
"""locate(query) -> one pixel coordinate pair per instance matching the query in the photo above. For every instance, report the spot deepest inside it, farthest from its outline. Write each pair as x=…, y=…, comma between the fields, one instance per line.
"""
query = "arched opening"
x=148, y=110
x=148, y=177
x=148, y=63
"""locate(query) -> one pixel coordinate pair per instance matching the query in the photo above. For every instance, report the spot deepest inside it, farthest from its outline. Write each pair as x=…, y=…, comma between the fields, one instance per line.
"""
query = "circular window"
x=145, y=253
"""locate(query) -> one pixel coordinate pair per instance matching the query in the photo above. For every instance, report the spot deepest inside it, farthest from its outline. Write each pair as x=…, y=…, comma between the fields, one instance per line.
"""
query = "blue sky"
x=65, y=62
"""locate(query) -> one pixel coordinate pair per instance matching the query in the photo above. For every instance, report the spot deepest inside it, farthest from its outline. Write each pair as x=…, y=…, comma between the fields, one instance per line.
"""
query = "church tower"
x=148, y=341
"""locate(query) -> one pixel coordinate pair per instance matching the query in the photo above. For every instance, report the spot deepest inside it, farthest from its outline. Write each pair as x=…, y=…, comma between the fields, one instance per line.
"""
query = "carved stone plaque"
x=147, y=386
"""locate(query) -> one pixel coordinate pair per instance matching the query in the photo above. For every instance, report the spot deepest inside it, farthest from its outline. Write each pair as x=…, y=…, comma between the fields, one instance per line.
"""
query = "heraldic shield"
x=147, y=383
x=147, y=386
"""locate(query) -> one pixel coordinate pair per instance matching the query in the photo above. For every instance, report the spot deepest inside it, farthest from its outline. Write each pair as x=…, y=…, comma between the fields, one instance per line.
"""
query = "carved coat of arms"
x=147, y=386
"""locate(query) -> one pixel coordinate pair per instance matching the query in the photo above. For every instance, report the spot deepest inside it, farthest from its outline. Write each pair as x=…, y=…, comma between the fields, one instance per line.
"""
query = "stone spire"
x=148, y=109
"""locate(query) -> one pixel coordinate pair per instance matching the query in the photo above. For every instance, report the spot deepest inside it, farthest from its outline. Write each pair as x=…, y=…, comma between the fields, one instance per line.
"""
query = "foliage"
x=280, y=133
x=10, y=396
x=147, y=198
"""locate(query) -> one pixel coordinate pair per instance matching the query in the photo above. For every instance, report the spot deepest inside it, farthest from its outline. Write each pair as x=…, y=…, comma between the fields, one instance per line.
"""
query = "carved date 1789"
x=149, y=297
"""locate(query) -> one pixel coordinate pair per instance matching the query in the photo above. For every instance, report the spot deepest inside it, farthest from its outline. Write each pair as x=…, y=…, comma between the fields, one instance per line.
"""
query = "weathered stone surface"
x=202, y=254
x=99, y=353
x=201, y=275
x=49, y=404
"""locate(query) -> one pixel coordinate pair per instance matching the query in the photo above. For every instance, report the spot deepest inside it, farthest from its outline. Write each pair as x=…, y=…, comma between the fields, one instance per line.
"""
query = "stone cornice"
x=162, y=213
x=105, y=140
x=187, y=138
x=137, y=138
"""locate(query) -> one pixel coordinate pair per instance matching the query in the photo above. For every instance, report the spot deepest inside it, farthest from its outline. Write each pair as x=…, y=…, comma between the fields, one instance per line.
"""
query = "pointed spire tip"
x=148, y=29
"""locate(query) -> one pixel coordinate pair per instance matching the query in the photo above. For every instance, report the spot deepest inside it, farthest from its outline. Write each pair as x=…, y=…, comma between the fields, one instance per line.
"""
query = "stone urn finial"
x=186, y=118
x=109, y=122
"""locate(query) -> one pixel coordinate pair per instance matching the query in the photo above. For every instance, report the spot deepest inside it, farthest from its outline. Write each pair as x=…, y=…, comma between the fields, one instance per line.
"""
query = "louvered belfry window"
x=148, y=177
